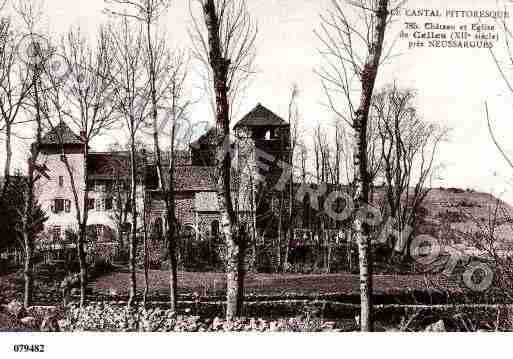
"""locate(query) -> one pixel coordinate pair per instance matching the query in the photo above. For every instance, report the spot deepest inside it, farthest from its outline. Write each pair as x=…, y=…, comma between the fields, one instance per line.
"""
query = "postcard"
x=252, y=167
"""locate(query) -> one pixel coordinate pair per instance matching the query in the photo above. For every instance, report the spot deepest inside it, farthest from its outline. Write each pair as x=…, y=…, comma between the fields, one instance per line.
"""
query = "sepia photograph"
x=247, y=167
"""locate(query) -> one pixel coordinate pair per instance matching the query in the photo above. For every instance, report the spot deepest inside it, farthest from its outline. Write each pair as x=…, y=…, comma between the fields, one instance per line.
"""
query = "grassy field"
x=341, y=286
x=207, y=284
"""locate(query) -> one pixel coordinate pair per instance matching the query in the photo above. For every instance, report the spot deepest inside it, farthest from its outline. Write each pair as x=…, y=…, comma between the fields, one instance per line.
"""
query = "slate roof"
x=198, y=179
x=112, y=165
x=116, y=164
x=195, y=178
x=261, y=116
x=61, y=134
x=108, y=165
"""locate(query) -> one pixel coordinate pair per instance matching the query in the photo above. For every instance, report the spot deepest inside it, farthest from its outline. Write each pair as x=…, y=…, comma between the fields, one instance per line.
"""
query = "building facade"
x=261, y=140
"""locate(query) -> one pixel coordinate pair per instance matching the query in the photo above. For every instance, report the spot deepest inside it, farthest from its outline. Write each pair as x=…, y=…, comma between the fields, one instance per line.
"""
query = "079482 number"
x=25, y=348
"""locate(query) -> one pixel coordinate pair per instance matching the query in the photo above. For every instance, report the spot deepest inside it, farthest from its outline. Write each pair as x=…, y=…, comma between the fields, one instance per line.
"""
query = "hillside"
x=453, y=214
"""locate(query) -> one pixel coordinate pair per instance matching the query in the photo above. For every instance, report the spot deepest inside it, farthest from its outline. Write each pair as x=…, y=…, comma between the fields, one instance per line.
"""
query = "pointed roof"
x=261, y=116
x=61, y=134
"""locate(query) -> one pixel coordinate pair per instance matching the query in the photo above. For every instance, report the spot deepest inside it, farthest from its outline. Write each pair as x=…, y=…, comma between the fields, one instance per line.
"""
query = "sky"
x=452, y=84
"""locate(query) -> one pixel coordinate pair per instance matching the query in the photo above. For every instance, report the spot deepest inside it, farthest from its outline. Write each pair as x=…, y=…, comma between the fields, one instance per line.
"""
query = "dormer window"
x=59, y=205
x=214, y=228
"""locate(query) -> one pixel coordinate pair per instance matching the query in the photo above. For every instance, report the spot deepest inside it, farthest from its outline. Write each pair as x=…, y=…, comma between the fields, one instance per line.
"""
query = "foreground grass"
x=214, y=284
x=340, y=287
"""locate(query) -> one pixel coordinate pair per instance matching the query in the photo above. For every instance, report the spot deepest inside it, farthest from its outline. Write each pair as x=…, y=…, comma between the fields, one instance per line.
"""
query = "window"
x=214, y=228
x=109, y=186
x=58, y=205
x=56, y=233
x=61, y=181
x=90, y=204
x=67, y=206
x=268, y=135
x=70, y=235
x=99, y=206
x=108, y=204
x=99, y=231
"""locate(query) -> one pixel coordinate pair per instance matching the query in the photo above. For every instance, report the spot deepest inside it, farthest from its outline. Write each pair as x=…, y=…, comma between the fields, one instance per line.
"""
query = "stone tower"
x=263, y=145
x=54, y=190
x=263, y=140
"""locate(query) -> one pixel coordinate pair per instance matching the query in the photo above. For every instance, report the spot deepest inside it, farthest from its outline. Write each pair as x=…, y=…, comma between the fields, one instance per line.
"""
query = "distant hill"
x=452, y=214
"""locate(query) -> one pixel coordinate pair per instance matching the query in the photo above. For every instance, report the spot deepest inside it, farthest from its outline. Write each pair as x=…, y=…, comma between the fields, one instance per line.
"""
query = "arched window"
x=214, y=228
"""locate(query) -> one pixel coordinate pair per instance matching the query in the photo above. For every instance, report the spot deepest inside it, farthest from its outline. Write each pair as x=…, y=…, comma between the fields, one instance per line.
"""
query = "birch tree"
x=176, y=108
x=352, y=34
x=29, y=219
x=166, y=71
x=294, y=119
x=30, y=215
x=225, y=45
x=130, y=100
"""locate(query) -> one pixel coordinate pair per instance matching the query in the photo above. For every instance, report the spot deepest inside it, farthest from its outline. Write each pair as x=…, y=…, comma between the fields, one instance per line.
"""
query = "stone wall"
x=185, y=208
